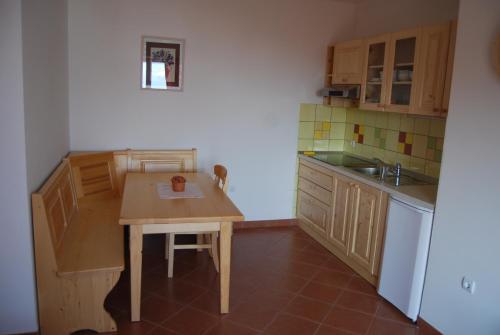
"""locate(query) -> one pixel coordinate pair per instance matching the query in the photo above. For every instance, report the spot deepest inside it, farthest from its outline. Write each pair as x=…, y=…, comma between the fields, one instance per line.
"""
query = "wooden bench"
x=79, y=249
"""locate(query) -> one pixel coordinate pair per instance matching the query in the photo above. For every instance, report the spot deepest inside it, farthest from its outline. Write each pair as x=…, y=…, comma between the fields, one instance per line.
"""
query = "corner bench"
x=79, y=250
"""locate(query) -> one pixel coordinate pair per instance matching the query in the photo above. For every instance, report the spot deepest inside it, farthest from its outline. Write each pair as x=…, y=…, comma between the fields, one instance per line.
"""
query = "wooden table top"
x=141, y=203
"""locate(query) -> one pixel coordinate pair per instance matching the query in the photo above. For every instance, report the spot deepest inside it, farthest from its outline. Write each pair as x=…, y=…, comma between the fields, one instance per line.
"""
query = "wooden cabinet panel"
x=315, y=213
x=339, y=227
x=449, y=69
x=430, y=79
x=348, y=62
x=365, y=227
x=316, y=191
x=319, y=178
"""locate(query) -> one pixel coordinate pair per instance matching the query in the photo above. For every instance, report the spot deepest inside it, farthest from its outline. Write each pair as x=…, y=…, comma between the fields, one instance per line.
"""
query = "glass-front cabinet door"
x=402, y=65
x=373, y=88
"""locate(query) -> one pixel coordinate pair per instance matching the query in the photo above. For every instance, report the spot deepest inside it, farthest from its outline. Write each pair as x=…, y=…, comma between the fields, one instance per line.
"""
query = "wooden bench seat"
x=79, y=250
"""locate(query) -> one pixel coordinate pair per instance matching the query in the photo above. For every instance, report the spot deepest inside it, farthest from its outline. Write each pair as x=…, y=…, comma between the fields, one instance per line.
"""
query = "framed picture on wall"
x=162, y=63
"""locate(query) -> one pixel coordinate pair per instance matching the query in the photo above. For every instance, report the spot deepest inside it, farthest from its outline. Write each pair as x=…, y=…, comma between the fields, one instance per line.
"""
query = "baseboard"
x=426, y=328
x=265, y=224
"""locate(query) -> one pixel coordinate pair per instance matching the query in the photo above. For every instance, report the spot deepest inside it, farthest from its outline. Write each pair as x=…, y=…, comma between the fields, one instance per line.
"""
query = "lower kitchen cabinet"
x=351, y=225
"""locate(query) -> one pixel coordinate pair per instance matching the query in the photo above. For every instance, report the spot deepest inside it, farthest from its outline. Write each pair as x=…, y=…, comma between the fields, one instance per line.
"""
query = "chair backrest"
x=220, y=173
x=94, y=174
x=54, y=206
x=162, y=160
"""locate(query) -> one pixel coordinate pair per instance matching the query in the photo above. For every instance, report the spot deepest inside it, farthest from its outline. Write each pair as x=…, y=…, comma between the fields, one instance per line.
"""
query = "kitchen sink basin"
x=368, y=170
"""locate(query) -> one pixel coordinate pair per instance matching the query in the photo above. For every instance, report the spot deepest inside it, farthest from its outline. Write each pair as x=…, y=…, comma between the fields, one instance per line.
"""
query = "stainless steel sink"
x=368, y=170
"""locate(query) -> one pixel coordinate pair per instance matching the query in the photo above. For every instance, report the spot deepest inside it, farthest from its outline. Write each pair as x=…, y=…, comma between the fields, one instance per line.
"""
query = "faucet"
x=382, y=166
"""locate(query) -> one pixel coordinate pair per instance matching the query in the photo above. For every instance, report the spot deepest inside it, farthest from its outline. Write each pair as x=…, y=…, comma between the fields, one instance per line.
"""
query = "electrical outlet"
x=353, y=143
x=468, y=285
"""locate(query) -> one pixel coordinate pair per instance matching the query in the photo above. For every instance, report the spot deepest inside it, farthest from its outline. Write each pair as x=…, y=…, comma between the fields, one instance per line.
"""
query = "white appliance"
x=404, y=261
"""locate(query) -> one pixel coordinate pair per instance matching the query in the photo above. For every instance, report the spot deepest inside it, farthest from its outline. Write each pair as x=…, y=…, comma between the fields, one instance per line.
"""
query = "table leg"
x=135, y=271
x=226, y=230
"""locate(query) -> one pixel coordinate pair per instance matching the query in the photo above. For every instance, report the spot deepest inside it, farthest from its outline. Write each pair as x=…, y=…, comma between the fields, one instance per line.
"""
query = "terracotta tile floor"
x=282, y=283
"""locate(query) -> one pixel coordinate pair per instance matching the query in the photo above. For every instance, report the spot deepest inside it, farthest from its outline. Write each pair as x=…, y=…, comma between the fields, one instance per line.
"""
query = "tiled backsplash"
x=415, y=142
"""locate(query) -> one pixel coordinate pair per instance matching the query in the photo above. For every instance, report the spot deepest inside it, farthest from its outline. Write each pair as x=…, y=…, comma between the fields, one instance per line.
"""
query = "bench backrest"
x=54, y=205
x=162, y=160
x=94, y=174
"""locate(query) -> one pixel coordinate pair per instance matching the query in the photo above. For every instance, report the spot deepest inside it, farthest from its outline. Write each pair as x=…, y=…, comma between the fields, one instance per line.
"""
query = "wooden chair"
x=204, y=240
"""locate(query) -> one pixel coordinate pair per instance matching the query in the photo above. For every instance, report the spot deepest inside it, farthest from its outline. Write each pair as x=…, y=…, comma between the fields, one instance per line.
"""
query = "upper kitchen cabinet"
x=373, y=90
x=431, y=79
x=401, y=69
x=348, y=62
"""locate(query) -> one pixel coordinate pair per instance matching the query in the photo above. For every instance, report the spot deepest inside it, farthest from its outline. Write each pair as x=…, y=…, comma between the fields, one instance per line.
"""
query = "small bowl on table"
x=178, y=183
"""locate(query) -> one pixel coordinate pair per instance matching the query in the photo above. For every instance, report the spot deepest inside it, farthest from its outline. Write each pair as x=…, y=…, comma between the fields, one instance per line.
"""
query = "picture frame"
x=162, y=63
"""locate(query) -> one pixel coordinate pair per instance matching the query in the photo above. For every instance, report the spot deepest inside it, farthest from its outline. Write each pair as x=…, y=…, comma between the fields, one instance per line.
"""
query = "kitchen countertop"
x=423, y=196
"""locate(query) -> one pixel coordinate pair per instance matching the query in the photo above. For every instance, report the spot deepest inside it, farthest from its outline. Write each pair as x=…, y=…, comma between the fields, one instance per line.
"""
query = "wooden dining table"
x=146, y=213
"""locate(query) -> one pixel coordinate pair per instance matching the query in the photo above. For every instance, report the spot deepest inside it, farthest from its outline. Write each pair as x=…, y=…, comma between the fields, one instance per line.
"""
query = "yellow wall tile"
x=401, y=147
x=307, y=112
x=393, y=121
x=407, y=124
x=306, y=130
x=318, y=134
x=306, y=145
x=323, y=113
x=337, y=131
x=381, y=120
x=422, y=126
x=437, y=128
x=339, y=114
x=326, y=126
x=419, y=146
x=336, y=145
x=321, y=145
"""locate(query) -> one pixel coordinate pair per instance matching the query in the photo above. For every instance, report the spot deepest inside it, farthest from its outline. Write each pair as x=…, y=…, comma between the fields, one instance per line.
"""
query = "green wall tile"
x=437, y=128
x=382, y=120
x=369, y=135
x=339, y=114
x=307, y=112
x=337, y=131
x=321, y=145
x=306, y=130
x=323, y=113
x=306, y=145
x=392, y=140
x=393, y=121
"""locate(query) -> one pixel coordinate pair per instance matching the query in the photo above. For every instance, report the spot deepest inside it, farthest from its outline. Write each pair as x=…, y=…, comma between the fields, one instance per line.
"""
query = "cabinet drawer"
x=316, y=177
x=313, y=212
x=316, y=191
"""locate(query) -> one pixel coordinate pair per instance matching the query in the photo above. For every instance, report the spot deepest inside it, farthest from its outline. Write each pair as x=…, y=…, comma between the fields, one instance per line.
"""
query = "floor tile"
x=180, y=291
x=348, y=320
x=325, y=330
x=291, y=325
x=161, y=331
x=387, y=327
x=334, y=263
x=387, y=311
x=360, y=285
x=190, y=321
x=358, y=301
x=226, y=327
x=334, y=278
x=321, y=292
x=253, y=315
x=157, y=309
x=308, y=308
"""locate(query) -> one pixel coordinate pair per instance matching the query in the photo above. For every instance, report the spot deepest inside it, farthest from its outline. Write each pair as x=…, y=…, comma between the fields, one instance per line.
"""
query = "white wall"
x=45, y=62
x=384, y=16
x=17, y=290
x=248, y=65
x=466, y=232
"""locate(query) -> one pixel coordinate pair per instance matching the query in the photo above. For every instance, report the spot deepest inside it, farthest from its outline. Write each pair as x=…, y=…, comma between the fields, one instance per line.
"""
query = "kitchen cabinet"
x=373, y=88
x=350, y=221
x=431, y=78
x=366, y=226
x=339, y=226
x=348, y=62
x=404, y=72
